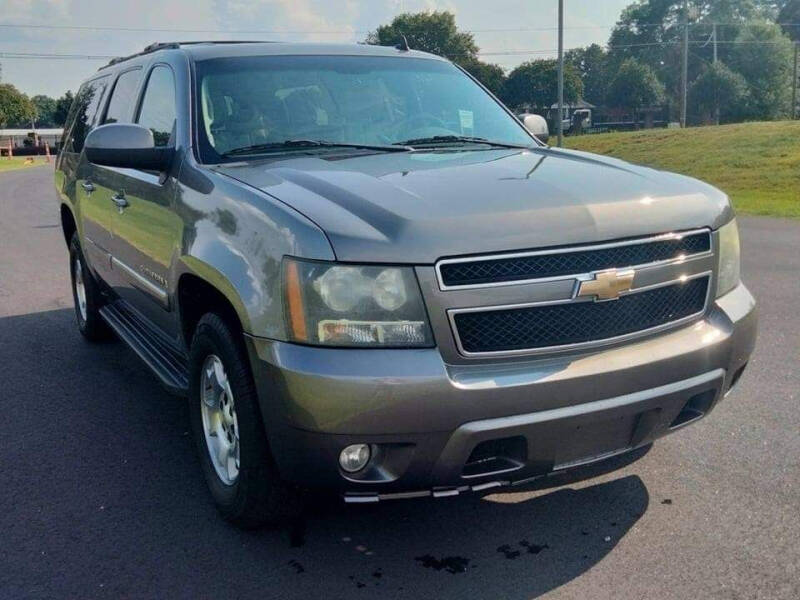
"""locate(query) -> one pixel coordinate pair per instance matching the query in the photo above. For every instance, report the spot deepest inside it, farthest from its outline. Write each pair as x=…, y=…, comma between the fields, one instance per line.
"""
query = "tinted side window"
x=66, y=137
x=86, y=106
x=120, y=107
x=158, y=106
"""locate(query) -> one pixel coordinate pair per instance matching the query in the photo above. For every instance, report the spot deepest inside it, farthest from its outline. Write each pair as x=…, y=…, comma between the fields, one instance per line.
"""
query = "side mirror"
x=127, y=146
x=537, y=125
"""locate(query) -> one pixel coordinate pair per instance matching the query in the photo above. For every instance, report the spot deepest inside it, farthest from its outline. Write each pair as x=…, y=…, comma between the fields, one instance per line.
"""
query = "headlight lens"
x=728, y=276
x=353, y=305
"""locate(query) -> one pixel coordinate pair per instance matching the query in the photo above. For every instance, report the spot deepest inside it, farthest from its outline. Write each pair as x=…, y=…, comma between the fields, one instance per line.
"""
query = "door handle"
x=119, y=200
x=88, y=186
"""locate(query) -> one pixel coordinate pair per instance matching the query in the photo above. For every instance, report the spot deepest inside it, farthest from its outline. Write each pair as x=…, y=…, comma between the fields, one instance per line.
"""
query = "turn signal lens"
x=294, y=303
x=728, y=273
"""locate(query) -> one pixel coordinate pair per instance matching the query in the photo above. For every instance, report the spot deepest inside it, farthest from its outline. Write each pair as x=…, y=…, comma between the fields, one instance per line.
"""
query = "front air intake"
x=496, y=456
x=697, y=406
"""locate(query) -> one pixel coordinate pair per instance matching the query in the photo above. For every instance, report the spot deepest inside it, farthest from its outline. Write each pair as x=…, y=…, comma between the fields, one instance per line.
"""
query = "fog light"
x=354, y=457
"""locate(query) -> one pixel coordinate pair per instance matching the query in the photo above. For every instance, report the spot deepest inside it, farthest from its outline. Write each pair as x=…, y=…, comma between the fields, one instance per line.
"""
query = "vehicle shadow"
x=109, y=495
x=515, y=543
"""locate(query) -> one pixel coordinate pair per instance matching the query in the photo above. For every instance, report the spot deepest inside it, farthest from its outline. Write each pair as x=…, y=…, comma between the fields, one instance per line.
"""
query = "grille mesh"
x=571, y=263
x=579, y=322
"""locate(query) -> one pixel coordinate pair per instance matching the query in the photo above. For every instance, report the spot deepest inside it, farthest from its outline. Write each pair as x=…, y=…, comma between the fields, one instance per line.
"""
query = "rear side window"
x=120, y=107
x=158, y=105
x=84, y=112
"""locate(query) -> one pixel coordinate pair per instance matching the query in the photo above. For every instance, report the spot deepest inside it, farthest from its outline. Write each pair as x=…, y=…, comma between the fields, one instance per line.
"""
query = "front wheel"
x=228, y=431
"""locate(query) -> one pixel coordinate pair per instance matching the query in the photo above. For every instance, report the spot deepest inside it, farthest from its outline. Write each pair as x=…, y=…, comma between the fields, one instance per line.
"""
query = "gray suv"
x=368, y=277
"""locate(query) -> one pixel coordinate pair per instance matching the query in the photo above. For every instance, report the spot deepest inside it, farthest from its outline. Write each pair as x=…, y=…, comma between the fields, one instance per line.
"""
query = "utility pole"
x=560, y=73
x=685, y=65
x=716, y=96
x=714, y=33
x=794, y=81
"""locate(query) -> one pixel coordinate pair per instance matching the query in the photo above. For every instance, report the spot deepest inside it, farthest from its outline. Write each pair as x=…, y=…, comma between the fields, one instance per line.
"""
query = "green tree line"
x=750, y=78
x=18, y=110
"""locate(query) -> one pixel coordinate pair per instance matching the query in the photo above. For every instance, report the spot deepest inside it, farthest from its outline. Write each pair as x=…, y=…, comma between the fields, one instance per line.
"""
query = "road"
x=102, y=496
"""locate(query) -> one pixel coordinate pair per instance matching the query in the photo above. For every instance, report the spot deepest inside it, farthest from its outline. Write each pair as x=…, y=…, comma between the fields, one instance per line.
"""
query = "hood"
x=417, y=207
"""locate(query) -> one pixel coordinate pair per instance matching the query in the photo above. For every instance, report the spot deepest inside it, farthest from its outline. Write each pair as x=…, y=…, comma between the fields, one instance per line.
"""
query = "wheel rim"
x=80, y=288
x=220, y=425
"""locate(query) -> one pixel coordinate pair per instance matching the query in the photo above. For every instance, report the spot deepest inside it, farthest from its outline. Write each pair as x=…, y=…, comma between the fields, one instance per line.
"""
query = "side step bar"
x=167, y=362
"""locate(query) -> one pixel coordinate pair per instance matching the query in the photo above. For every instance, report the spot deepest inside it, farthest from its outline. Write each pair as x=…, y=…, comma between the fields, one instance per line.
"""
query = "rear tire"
x=229, y=433
x=86, y=295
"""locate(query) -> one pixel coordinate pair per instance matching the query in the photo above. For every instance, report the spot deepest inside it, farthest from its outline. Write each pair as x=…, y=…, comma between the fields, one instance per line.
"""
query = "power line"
x=33, y=55
x=521, y=52
x=340, y=31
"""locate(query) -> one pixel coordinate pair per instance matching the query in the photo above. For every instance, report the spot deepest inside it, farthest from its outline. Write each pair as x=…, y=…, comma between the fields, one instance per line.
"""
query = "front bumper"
x=428, y=421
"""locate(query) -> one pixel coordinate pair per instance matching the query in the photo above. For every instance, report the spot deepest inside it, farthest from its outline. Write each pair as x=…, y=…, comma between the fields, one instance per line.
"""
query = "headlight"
x=728, y=275
x=351, y=305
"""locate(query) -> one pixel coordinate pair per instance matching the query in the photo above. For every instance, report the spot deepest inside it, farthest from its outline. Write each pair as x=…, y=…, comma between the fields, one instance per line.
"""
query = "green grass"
x=756, y=164
x=18, y=162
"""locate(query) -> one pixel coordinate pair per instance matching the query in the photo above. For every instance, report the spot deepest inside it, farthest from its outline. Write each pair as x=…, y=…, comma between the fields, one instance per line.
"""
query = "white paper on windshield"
x=467, y=122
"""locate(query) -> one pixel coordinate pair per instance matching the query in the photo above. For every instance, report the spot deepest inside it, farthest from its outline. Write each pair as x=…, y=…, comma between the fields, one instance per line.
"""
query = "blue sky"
x=523, y=25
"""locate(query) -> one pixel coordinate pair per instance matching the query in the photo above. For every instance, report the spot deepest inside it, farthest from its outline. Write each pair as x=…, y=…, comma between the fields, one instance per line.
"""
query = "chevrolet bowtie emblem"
x=607, y=285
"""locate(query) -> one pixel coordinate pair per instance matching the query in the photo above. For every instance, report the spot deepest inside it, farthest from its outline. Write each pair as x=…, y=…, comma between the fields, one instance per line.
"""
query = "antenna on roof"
x=403, y=45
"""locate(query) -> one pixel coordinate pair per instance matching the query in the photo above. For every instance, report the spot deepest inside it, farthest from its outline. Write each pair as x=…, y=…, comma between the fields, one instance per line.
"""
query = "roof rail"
x=154, y=47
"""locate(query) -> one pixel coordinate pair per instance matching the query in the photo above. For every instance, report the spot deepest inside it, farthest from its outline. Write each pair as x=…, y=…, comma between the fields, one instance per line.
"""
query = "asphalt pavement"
x=102, y=495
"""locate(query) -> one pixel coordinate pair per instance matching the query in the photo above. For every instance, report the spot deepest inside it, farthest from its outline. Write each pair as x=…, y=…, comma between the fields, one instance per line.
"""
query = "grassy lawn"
x=18, y=162
x=756, y=164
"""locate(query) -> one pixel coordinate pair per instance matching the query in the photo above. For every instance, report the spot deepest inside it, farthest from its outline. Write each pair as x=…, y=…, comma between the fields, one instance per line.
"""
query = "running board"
x=167, y=362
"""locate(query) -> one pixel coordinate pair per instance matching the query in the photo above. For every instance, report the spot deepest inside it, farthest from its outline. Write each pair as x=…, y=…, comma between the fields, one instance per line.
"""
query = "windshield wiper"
x=304, y=143
x=457, y=139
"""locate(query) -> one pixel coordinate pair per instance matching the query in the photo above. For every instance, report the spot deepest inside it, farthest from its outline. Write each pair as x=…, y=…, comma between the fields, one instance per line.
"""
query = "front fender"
x=235, y=238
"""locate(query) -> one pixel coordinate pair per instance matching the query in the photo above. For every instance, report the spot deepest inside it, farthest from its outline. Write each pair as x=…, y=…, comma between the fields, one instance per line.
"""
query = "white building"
x=17, y=137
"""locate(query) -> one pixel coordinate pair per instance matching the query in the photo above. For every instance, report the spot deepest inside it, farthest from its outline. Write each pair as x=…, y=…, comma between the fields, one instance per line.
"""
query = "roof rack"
x=154, y=47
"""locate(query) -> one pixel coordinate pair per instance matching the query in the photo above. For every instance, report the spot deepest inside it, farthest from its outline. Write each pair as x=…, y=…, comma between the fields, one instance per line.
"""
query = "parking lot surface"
x=102, y=495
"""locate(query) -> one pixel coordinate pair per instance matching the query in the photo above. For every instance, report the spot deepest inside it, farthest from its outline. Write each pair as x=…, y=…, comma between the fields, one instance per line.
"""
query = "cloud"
x=295, y=19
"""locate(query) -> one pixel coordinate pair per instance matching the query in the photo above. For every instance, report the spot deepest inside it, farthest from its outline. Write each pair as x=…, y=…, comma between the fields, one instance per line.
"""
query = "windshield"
x=246, y=102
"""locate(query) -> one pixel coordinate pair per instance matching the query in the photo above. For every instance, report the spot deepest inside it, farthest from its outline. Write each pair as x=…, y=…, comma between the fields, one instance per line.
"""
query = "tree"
x=45, y=108
x=718, y=88
x=15, y=107
x=591, y=63
x=651, y=31
x=436, y=32
x=635, y=86
x=490, y=75
x=62, y=109
x=763, y=56
x=433, y=32
x=534, y=84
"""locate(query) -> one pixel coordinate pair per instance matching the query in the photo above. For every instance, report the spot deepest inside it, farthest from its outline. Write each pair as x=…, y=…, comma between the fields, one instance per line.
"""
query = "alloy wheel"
x=80, y=287
x=220, y=425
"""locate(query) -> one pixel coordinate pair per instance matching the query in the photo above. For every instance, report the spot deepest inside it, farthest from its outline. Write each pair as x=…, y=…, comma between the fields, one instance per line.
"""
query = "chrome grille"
x=506, y=269
x=569, y=322
x=547, y=300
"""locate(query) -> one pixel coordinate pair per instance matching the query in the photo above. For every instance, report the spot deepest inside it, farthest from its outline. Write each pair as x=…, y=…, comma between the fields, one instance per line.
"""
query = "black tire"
x=91, y=324
x=257, y=496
